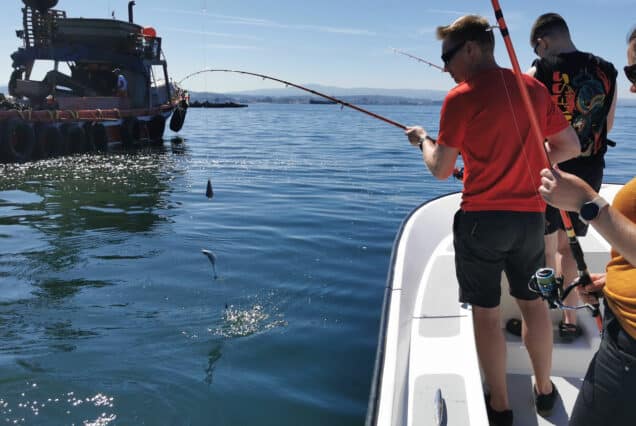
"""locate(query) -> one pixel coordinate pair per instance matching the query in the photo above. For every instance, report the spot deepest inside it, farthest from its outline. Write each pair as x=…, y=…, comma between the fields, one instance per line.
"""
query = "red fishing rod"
x=417, y=58
x=577, y=252
x=306, y=89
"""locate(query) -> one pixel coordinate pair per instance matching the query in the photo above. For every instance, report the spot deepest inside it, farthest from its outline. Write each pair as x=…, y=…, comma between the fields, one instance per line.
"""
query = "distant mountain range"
x=291, y=95
x=359, y=95
x=340, y=91
x=307, y=99
x=368, y=96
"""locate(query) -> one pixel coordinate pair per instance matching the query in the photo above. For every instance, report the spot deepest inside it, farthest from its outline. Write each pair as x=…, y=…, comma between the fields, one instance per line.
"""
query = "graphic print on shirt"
x=582, y=100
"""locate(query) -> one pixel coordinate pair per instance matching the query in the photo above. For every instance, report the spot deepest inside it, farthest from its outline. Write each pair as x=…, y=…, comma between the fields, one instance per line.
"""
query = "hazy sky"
x=345, y=43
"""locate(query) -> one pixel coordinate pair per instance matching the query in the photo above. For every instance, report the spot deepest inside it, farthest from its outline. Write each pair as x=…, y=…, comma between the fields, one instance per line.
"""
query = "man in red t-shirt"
x=500, y=224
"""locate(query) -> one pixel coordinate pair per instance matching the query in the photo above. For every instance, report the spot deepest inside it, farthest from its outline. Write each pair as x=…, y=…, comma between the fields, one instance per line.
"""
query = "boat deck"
x=522, y=402
x=428, y=371
x=439, y=322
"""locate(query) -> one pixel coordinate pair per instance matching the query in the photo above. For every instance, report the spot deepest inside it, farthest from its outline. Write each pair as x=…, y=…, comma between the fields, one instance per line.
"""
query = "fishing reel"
x=550, y=287
x=458, y=173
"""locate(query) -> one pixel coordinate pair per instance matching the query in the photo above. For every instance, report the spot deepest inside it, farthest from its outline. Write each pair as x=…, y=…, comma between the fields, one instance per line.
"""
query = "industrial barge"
x=107, y=84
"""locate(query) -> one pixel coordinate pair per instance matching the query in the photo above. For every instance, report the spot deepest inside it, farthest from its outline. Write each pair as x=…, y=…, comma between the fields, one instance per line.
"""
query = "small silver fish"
x=440, y=409
x=212, y=259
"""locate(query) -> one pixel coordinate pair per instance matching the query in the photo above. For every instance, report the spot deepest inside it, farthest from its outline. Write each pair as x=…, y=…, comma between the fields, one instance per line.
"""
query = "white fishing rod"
x=417, y=58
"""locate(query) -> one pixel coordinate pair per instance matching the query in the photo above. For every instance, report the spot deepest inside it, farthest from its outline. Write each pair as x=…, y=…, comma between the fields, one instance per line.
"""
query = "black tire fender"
x=64, y=131
x=76, y=138
x=178, y=118
x=54, y=143
x=39, y=150
x=156, y=127
x=129, y=131
x=99, y=136
x=88, y=128
x=17, y=140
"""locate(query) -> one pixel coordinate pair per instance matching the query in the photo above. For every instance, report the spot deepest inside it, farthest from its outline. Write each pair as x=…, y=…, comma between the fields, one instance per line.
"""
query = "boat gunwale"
x=59, y=115
x=378, y=370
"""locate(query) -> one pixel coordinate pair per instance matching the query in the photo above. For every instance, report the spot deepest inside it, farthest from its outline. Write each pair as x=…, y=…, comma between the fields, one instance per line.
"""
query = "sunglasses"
x=630, y=73
x=448, y=55
x=538, y=37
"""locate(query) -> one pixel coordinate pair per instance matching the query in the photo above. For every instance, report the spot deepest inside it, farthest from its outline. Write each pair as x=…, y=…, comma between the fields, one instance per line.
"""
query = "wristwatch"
x=419, y=145
x=590, y=210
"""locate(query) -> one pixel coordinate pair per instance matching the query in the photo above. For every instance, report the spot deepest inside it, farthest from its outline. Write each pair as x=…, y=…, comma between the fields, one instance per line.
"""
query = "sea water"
x=110, y=314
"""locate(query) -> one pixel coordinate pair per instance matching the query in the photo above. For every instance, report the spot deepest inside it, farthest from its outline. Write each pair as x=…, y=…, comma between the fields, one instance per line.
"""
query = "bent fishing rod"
x=583, y=273
x=457, y=172
x=306, y=89
x=417, y=58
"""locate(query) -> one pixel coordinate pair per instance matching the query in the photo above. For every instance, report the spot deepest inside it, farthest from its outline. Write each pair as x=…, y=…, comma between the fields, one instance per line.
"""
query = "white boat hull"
x=427, y=343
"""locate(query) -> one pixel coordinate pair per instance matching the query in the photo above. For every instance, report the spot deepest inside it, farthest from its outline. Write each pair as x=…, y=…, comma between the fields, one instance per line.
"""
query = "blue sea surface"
x=110, y=314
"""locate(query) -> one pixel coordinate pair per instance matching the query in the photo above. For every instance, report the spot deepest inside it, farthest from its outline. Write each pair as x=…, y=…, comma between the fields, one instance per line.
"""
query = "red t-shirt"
x=486, y=120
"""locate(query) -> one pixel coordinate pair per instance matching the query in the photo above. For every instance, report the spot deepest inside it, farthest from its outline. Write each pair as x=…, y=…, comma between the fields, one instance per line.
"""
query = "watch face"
x=589, y=211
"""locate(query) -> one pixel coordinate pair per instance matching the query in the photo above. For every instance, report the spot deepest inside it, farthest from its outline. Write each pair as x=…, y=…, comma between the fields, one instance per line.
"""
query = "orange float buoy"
x=149, y=32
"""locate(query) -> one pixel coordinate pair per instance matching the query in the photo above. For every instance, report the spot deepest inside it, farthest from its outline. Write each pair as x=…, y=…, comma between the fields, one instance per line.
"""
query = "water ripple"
x=239, y=322
x=108, y=305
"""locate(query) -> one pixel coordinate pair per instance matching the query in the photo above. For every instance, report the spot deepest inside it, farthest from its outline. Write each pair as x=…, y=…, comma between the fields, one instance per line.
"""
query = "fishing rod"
x=457, y=173
x=584, y=275
x=306, y=89
x=417, y=58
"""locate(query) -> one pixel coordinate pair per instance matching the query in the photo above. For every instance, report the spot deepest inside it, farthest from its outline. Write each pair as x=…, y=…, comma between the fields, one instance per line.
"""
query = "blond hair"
x=468, y=28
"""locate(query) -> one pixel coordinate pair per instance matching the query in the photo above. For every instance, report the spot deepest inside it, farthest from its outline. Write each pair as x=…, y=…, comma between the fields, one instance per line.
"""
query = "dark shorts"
x=607, y=394
x=594, y=177
x=487, y=243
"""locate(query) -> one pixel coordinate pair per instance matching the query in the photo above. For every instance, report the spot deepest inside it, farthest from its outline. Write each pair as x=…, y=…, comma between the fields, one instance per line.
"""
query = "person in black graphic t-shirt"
x=584, y=87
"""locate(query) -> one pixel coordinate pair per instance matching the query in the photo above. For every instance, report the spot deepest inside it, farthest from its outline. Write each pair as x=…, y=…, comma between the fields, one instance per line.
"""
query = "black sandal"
x=513, y=326
x=569, y=332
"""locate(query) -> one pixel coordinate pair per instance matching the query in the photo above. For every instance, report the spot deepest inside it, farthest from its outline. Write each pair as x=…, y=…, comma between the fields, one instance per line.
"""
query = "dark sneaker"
x=545, y=403
x=498, y=418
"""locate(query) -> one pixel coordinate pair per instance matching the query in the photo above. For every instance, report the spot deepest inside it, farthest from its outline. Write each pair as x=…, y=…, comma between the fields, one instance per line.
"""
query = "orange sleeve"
x=620, y=285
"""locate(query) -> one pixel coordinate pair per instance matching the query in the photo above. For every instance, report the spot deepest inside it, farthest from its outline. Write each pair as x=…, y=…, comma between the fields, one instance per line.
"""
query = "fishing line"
x=584, y=275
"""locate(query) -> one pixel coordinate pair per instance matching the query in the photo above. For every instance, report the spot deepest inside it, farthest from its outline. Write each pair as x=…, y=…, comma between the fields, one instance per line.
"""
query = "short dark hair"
x=548, y=24
x=631, y=36
x=468, y=28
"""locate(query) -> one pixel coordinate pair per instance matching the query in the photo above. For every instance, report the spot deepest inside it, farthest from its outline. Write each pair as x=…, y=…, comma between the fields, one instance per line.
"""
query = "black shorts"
x=487, y=243
x=594, y=177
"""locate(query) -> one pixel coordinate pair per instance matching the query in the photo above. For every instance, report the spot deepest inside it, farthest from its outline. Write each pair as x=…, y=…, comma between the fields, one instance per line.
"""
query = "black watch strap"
x=590, y=210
